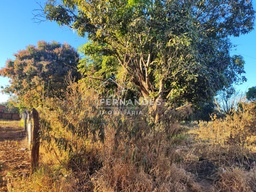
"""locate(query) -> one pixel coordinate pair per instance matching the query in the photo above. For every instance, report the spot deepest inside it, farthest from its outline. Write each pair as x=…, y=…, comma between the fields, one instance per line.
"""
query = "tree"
x=228, y=100
x=9, y=107
x=169, y=50
x=203, y=112
x=39, y=72
x=251, y=93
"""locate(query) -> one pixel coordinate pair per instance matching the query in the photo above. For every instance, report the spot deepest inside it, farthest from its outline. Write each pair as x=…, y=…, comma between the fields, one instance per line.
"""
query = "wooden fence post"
x=35, y=141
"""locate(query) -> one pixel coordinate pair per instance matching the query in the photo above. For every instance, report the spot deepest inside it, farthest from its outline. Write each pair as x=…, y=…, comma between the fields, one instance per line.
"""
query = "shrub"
x=233, y=180
x=110, y=152
x=236, y=128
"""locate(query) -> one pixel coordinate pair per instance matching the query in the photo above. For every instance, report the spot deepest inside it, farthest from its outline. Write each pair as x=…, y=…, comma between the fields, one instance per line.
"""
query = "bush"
x=112, y=152
x=233, y=180
x=237, y=128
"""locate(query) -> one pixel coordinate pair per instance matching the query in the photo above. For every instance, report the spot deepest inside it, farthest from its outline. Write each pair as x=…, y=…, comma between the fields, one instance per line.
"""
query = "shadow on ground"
x=10, y=133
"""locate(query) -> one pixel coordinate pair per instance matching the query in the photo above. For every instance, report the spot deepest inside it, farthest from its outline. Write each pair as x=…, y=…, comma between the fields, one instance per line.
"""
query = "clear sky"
x=246, y=46
x=18, y=30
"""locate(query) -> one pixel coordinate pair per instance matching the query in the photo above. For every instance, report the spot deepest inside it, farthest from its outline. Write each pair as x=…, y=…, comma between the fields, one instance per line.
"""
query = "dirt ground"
x=14, y=155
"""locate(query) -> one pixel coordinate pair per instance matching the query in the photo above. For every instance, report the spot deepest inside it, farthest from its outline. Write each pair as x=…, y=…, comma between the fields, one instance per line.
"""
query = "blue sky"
x=20, y=30
x=246, y=46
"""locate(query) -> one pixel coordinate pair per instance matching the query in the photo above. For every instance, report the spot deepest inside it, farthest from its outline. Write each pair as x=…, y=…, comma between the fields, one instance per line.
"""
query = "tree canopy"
x=168, y=49
x=39, y=71
x=251, y=94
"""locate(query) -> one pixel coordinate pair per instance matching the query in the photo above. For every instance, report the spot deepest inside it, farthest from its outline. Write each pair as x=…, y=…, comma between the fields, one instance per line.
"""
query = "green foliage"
x=178, y=51
x=203, y=111
x=39, y=72
x=69, y=123
x=251, y=94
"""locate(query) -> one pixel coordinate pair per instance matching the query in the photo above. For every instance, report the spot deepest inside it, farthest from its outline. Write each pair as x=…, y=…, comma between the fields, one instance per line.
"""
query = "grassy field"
x=5, y=123
x=214, y=156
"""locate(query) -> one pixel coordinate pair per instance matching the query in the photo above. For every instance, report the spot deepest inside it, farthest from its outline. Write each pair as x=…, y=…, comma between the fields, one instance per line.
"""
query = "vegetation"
x=39, y=72
x=251, y=93
x=83, y=150
x=166, y=50
x=176, y=53
x=9, y=107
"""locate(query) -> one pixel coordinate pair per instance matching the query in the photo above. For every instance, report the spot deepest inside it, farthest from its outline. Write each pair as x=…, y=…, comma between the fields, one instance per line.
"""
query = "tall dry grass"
x=229, y=144
x=237, y=128
x=99, y=152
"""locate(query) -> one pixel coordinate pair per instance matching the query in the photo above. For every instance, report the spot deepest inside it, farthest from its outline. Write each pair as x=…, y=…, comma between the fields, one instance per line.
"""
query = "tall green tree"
x=39, y=72
x=251, y=94
x=167, y=49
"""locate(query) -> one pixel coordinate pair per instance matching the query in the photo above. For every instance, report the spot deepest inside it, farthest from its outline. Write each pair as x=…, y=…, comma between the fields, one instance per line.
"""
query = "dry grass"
x=228, y=146
x=141, y=164
x=109, y=153
x=45, y=180
x=233, y=180
x=237, y=128
x=6, y=123
x=83, y=150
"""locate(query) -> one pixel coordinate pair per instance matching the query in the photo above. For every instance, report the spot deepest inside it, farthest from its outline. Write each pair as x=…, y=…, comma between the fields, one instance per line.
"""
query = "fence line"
x=9, y=116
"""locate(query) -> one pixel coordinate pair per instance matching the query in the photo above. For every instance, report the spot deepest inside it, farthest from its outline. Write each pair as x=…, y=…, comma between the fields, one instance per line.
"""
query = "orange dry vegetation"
x=82, y=150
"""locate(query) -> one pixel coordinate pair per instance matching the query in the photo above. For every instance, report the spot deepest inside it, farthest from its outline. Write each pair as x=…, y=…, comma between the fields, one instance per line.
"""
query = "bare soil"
x=14, y=155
